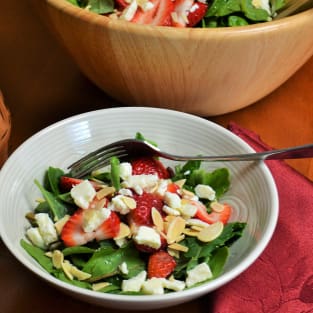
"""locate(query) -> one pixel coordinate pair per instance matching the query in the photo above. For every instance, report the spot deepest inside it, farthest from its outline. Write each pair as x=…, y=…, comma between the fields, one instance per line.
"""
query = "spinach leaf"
x=253, y=13
x=39, y=255
x=218, y=260
x=83, y=284
x=101, y=6
x=223, y=7
x=77, y=250
x=54, y=175
x=57, y=208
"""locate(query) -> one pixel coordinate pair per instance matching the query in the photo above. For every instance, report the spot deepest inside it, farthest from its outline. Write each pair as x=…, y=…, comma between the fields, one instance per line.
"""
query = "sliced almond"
x=100, y=204
x=57, y=258
x=99, y=286
x=60, y=223
x=211, y=232
x=173, y=253
x=104, y=192
x=48, y=254
x=130, y=202
x=175, y=229
x=180, y=238
x=190, y=232
x=124, y=231
x=157, y=219
x=178, y=247
x=217, y=207
x=169, y=218
x=187, y=194
x=66, y=267
x=80, y=275
x=196, y=227
x=180, y=183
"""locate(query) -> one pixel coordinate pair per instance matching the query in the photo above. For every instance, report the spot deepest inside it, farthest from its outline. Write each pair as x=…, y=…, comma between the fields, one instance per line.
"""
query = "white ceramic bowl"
x=253, y=193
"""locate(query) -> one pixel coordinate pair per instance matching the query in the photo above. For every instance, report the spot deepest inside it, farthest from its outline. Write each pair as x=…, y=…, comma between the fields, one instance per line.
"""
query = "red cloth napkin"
x=281, y=280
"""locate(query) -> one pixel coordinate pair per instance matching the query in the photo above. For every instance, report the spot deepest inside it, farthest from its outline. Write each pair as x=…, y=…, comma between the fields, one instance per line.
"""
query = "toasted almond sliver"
x=180, y=238
x=105, y=191
x=66, y=267
x=130, y=202
x=191, y=232
x=99, y=286
x=100, y=204
x=217, y=207
x=80, y=275
x=175, y=229
x=157, y=219
x=211, y=232
x=60, y=223
x=124, y=231
x=196, y=227
x=169, y=218
x=173, y=253
x=48, y=254
x=178, y=247
x=180, y=182
x=57, y=258
x=187, y=193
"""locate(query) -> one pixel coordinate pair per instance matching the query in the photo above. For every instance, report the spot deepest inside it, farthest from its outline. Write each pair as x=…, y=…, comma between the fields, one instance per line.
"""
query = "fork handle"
x=298, y=152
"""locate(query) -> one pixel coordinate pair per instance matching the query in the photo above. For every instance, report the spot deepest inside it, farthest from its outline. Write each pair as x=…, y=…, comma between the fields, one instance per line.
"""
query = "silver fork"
x=130, y=148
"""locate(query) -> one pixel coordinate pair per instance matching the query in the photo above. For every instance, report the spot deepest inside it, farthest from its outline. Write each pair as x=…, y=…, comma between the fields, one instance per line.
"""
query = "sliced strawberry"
x=188, y=12
x=214, y=217
x=160, y=264
x=196, y=13
x=67, y=183
x=148, y=165
x=109, y=228
x=141, y=215
x=159, y=14
x=172, y=187
x=73, y=234
x=121, y=4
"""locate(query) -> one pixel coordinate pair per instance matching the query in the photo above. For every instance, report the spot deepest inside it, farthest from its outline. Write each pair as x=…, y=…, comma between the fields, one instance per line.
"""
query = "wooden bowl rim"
x=289, y=22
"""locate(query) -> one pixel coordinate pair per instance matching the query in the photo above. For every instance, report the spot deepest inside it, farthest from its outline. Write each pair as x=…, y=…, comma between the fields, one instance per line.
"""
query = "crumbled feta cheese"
x=123, y=268
x=135, y=283
x=125, y=170
x=194, y=8
x=93, y=218
x=148, y=236
x=205, y=192
x=35, y=237
x=198, y=274
x=83, y=194
x=172, y=200
x=144, y=182
x=162, y=187
x=125, y=192
x=145, y=5
x=119, y=205
x=46, y=228
x=170, y=211
x=120, y=242
x=174, y=284
x=153, y=286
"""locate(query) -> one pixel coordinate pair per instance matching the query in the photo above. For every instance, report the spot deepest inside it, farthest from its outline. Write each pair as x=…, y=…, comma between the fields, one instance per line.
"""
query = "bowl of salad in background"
x=203, y=70
x=251, y=193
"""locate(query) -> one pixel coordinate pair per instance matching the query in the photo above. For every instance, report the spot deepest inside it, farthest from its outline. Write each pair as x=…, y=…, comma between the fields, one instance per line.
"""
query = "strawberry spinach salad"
x=186, y=13
x=134, y=227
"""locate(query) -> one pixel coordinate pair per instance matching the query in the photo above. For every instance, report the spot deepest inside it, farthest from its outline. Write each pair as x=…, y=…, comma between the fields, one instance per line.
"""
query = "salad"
x=186, y=13
x=133, y=227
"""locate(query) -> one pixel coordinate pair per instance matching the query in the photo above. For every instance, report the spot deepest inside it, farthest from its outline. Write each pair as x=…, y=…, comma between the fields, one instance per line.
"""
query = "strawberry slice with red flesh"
x=141, y=215
x=160, y=265
x=121, y=4
x=159, y=14
x=214, y=217
x=67, y=183
x=196, y=13
x=73, y=233
x=188, y=12
x=148, y=165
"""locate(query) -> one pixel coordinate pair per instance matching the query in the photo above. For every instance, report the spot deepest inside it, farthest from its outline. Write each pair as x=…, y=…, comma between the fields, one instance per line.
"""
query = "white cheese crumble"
x=83, y=194
x=170, y=211
x=198, y=274
x=205, y=192
x=46, y=228
x=135, y=283
x=35, y=237
x=141, y=182
x=125, y=170
x=172, y=200
x=129, y=12
x=123, y=268
x=119, y=205
x=148, y=236
x=93, y=218
x=188, y=209
x=262, y=4
x=153, y=286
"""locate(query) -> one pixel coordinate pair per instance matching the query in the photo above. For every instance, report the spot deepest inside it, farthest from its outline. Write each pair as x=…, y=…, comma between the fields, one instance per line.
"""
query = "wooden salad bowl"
x=202, y=71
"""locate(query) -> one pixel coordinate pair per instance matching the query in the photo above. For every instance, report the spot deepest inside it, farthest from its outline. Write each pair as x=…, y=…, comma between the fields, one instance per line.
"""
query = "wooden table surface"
x=41, y=85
